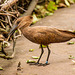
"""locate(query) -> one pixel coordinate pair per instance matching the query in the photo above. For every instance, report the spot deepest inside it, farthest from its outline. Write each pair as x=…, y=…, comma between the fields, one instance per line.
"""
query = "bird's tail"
x=72, y=33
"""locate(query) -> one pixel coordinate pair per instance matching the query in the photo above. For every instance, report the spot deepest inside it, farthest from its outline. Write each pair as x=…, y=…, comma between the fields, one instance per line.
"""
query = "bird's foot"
x=46, y=63
x=39, y=64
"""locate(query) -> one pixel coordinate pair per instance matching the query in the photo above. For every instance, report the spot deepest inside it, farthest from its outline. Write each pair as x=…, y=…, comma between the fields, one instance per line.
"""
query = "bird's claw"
x=39, y=64
x=46, y=64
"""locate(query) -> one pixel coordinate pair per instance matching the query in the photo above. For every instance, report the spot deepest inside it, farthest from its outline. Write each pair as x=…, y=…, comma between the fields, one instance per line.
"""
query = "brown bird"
x=42, y=35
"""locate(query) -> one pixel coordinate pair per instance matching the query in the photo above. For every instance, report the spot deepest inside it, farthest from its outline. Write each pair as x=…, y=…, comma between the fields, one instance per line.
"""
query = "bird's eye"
x=31, y=17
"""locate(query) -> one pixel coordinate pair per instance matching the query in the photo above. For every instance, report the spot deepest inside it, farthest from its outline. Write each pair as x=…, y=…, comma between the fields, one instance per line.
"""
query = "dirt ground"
x=59, y=63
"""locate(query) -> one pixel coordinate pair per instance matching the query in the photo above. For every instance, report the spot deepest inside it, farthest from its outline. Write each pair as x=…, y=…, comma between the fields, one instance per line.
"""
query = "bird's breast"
x=43, y=35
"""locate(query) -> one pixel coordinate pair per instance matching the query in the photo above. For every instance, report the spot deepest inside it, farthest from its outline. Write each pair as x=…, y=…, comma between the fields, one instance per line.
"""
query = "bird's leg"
x=49, y=51
x=42, y=51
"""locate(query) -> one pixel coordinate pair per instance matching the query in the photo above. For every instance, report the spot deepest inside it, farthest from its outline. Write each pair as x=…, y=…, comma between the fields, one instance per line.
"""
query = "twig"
x=7, y=14
x=2, y=24
x=7, y=4
x=3, y=21
x=8, y=38
x=22, y=8
x=2, y=30
x=15, y=12
x=40, y=1
x=1, y=40
x=9, y=20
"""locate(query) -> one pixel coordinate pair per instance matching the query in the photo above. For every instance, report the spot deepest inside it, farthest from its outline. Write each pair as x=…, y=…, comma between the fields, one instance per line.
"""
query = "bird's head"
x=20, y=23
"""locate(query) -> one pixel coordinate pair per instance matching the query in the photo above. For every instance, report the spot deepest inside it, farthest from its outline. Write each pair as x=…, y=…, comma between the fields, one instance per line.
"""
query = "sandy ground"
x=59, y=62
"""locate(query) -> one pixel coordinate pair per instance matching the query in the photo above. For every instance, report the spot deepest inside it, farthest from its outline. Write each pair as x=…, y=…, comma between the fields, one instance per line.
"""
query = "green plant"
x=51, y=6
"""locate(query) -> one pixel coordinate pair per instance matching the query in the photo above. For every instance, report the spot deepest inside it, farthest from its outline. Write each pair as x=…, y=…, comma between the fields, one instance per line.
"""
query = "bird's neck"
x=24, y=28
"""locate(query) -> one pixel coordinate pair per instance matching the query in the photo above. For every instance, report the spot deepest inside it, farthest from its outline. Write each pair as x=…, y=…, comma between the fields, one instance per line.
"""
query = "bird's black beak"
x=12, y=30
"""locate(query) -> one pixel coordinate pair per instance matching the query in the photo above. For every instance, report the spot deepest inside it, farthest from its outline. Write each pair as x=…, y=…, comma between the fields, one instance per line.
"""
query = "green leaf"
x=31, y=50
x=1, y=68
x=74, y=0
x=48, y=14
x=30, y=61
x=73, y=61
x=71, y=31
x=70, y=43
x=16, y=31
x=35, y=19
x=71, y=57
x=58, y=1
x=44, y=46
x=74, y=31
x=35, y=57
x=51, y=6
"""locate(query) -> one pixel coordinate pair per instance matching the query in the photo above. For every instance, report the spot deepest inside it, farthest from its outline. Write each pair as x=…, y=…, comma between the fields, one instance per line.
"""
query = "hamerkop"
x=43, y=35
